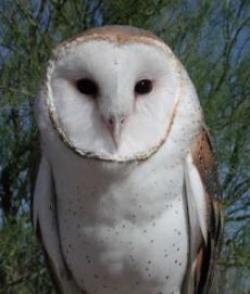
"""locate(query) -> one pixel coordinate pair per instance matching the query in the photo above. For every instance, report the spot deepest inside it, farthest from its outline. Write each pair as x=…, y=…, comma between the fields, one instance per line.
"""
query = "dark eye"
x=87, y=87
x=143, y=87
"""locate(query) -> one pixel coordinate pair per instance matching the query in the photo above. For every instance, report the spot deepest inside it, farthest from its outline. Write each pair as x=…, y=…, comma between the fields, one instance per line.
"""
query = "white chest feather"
x=123, y=229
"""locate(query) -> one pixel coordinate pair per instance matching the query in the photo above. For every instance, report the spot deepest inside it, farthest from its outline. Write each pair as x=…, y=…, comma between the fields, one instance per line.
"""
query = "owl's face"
x=113, y=97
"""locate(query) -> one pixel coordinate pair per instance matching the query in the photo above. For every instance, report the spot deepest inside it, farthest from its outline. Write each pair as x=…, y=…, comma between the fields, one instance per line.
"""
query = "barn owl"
x=126, y=198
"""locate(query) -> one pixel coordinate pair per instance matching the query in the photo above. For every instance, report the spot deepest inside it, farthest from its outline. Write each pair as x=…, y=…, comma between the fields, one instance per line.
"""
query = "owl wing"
x=45, y=224
x=204, y=210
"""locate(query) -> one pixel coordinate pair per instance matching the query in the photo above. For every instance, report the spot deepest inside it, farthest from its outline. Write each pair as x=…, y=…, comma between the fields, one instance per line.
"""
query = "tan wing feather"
x=204, y=214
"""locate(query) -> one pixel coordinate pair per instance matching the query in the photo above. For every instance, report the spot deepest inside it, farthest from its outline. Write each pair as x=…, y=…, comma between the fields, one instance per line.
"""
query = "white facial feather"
x=115, y=68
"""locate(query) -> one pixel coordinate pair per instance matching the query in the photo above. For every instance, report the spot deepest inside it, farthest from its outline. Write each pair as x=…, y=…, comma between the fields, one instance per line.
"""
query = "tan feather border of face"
x=113, y=38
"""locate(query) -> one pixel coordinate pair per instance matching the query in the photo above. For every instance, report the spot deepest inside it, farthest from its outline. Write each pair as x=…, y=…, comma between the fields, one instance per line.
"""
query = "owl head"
x=114, y=93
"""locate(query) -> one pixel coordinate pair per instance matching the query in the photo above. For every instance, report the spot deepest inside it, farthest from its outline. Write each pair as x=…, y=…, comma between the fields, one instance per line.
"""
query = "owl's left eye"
x=143, y=87
x=87, y=87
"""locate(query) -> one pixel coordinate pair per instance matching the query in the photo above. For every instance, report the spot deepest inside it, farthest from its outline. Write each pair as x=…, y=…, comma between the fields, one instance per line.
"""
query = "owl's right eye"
x=87, y=87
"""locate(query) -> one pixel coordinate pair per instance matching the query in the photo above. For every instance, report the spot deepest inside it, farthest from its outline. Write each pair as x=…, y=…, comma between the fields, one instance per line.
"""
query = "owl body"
x=113, y=207
x=129, y=227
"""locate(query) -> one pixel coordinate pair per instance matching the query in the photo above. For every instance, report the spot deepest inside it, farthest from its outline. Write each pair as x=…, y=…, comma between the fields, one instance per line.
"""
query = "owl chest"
x=126, y=232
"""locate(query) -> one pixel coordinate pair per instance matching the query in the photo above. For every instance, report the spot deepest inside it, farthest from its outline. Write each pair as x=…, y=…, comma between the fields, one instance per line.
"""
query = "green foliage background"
x=211, y=38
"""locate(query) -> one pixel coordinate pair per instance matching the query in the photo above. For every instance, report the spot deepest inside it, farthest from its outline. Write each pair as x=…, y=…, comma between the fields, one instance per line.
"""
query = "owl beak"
x=115, y=126
x=116, y=134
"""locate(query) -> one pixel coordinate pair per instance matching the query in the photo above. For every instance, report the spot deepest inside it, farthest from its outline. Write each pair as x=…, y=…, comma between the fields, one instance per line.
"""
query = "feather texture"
x=45, y=224
x=204, y=214
x=138, y=215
